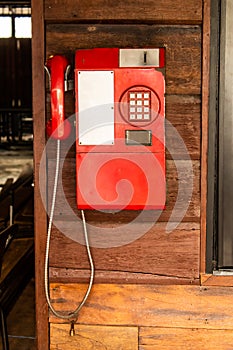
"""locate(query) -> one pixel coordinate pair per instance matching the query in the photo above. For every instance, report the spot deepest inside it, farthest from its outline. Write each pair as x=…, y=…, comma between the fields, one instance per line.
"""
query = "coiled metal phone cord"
x=72, y=316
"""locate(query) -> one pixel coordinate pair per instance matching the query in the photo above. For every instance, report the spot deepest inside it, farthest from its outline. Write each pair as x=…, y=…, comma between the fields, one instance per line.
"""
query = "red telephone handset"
x=57, y=127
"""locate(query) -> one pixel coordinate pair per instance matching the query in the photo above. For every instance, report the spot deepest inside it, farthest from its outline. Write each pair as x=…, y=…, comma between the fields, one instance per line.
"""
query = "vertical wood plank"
x=39, y=142
x=205, y=110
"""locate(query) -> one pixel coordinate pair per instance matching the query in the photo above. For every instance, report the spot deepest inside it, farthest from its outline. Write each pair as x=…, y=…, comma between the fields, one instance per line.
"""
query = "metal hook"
x=49, y=75
x=66, y=86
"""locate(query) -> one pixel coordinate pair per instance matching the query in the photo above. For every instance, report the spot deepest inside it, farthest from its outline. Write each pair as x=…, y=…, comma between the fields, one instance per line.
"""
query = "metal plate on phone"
x=139, y=57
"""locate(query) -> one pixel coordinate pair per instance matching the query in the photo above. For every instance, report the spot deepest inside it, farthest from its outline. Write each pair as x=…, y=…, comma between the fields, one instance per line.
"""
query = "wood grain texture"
x=182, y=128
x=93, y=338
x=174, y=255
x=182, y=43
x=164, y=11
x=147, y=305
x=151, y=338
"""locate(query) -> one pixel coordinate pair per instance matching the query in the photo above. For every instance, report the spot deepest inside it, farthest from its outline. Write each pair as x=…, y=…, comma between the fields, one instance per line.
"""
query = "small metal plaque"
x=138, y=137
x=139, y=58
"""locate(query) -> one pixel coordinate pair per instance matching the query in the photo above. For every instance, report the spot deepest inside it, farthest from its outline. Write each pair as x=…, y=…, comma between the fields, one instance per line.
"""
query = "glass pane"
x=23, y=27
x=5, y=27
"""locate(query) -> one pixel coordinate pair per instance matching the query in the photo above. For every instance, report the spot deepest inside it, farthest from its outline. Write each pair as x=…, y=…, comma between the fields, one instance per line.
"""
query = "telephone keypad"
x=139, y=105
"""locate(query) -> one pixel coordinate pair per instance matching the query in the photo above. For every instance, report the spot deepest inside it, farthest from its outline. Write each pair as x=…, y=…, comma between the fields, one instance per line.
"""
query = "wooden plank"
x=180, y=174
x=156, y=253
x=146, y=305
x=40, y=222
x=205, y=115
x=151, y=338
x=215, y=280
x=164, y=11
x=183, y=126
x=76, y=275
x=186, y=175
x=182, y=43
x=93, y=337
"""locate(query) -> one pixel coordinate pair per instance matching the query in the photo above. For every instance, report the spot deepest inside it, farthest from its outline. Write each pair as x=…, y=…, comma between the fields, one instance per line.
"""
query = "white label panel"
x=96, y=107
x=139, y=57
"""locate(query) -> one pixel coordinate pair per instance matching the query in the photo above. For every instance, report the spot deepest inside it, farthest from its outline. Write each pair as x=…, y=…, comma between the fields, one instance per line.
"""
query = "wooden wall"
x=156, y=253
x=147, y=294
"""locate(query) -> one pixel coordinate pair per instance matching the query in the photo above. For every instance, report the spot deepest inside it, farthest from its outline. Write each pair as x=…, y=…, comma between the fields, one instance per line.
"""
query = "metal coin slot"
x=139, y=58
x=145, y=59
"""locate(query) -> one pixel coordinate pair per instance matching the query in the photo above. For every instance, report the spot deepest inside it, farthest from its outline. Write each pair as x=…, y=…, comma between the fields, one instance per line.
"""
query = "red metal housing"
x=126, y=170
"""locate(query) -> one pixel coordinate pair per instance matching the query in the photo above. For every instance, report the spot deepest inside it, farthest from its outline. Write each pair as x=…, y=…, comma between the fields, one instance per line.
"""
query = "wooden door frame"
x=40, y=221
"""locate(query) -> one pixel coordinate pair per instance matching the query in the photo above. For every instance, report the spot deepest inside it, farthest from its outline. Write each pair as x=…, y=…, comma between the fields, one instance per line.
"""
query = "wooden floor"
x=21, y=321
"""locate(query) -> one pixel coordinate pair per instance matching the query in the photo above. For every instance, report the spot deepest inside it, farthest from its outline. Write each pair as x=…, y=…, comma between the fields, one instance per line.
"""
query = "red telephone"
x=120, y=137
x=57, y=126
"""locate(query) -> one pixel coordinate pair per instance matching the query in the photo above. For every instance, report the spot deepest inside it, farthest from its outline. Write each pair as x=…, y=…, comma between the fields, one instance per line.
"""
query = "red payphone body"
x=120, y=137
x=120, y=148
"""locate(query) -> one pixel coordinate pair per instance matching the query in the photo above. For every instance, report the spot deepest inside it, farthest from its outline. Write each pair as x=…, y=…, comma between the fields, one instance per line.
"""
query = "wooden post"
x=39, y=143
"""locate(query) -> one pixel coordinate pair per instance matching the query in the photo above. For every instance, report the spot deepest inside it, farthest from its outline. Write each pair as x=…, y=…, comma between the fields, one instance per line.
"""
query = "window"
x=23, y=27
x=6, y=27
x=15, y=22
